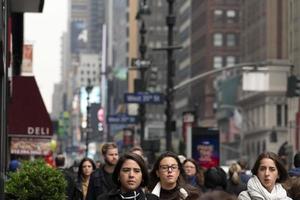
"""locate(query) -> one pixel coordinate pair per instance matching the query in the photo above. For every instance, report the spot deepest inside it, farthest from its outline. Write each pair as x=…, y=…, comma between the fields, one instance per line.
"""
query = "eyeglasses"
x=166, y=168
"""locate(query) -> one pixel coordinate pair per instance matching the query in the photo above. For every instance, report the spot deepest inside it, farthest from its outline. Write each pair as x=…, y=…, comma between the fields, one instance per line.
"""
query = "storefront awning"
x=27, y=114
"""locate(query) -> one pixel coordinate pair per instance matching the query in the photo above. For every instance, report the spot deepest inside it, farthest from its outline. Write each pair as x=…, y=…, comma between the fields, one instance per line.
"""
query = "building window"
x=286, y=115
x=218, y=15
x=278, y=115
x=218, y=39
x=231, y=16
x=231, y=40
x=218, y=62
x=230, y=60
x=264, y=146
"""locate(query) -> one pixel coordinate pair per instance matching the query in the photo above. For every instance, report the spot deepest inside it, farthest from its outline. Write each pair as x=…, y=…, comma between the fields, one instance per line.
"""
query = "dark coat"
x=78, y=193
x=70, y=183
x=115, y=195
x=235, y=189
x=98, y=184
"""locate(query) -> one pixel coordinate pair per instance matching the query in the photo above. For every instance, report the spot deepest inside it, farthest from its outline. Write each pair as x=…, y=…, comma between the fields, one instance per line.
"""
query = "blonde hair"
x=234, y=173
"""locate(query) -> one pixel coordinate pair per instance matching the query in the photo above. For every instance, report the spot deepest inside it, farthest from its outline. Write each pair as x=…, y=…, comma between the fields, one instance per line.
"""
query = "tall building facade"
x=264, y=38
x=209, y=32
x=215, y=35
x=95, y=20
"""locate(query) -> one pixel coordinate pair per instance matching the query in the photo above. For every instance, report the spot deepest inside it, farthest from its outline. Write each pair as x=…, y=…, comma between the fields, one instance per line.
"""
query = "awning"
x=27, y=114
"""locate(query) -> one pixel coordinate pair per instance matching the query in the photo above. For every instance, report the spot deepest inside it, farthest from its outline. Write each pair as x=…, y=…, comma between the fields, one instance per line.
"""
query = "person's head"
x=167, y=170
x=130, y=172
x=137, y=150
x=215, y=178
x=110, y=153
x=292, y=187
x=205, y=150
x=297, y=160
x=269, y=170
x=234, y=173
x=86, y=167
x=60, y=160
x=14, y=165
x=217, y=195
x=243, y=163
x=190, y=167
x=98, y=164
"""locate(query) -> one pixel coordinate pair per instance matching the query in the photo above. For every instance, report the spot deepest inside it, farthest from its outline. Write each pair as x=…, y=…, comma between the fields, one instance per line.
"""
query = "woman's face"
x=130, y=175
x=189, y=168
x=267, y=173
x=168, y=172
x=87, y=168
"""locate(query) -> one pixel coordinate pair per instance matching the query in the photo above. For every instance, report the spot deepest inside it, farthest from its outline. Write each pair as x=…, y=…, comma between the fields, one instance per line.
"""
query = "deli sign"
x=27, y=113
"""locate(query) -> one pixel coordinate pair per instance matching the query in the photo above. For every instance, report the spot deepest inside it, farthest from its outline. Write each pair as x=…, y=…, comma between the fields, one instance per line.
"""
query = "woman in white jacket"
x=268, y=172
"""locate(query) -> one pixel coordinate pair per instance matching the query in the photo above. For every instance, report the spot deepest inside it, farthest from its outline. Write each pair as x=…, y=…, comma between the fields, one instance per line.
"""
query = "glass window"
x=218, y=62
x=279, y=115
x=286, y=115
x=218, y=15
x=231, y=13
x=231, y=40
x=218, y=39
x=258, y=148
x=231, y=16
x=230, y=60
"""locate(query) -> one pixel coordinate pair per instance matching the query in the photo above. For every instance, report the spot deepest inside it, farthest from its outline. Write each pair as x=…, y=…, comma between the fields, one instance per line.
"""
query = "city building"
x=264, y=38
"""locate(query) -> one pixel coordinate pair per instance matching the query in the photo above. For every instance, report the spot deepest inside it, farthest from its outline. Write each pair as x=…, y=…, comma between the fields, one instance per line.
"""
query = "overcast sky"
x=44, y=30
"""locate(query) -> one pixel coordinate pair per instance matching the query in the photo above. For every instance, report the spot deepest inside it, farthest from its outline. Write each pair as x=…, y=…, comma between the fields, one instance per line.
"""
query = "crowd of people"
x=174, y=178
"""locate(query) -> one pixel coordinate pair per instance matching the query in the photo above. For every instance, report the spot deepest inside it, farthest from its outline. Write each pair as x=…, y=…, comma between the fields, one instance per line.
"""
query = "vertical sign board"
x=206, y=147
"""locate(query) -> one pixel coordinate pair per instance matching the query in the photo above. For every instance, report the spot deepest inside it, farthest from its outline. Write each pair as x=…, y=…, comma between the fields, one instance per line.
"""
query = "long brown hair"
x=282, y=172
x=199, y=171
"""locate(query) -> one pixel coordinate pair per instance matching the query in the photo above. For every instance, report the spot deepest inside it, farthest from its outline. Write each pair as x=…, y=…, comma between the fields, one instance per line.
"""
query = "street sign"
x=140, y=63
x=122, y=119
x=149, y=98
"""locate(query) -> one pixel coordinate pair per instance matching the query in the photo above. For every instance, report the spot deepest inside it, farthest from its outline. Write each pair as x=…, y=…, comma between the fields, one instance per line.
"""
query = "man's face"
x=111, y=157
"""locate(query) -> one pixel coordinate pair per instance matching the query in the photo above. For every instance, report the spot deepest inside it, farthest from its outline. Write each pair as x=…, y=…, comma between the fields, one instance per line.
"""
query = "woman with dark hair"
x=215, y=179
x=130, y=175
x=167, y=179
x=85, y=169
x=268, y=172
x=194, y=175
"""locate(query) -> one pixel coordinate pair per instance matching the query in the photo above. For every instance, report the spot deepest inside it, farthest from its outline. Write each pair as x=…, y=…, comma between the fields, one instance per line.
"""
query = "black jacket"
x=115, y=195
x=235, y=189
x=78, y=193
x=98, y=184
x=70, y=183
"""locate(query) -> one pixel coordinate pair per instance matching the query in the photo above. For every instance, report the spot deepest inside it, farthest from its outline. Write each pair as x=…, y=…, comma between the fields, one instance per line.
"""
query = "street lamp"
x=88, y=89
x=170, y=124
x=143, y=10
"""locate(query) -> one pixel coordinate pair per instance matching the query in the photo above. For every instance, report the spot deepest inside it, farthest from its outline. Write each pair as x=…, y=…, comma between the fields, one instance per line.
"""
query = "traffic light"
x=293, y=86
x=101, y=118
x=152, y=79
